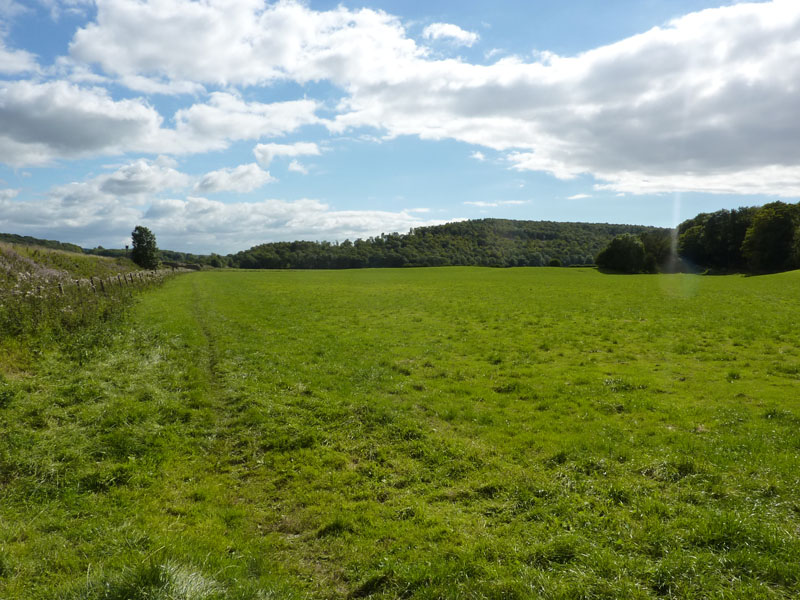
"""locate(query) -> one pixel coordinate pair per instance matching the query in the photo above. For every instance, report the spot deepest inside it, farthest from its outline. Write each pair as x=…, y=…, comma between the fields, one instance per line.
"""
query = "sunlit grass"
x=426, y=433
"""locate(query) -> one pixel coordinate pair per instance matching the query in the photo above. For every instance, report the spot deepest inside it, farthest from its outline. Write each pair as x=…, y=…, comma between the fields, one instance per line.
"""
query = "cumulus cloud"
x=706, y=102
x=579, y=196
x=77, y=212
x=297, y=167
x=143, y=177
x=265, y=153
x=14, y=62
x=226, y=116
x=105, y=208
x=477, y=155
x=450, y=32
x=240, y=42
x=706, y=99
x=43, y=121
x=244, y=178
x=89, y=212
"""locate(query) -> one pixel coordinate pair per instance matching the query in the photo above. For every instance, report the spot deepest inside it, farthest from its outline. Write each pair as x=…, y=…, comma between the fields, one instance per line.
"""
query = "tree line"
x=755, y=240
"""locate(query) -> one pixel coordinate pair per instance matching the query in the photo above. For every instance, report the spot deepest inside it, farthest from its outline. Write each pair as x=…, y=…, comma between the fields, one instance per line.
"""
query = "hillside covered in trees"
x=485, y=242
x=763, y=239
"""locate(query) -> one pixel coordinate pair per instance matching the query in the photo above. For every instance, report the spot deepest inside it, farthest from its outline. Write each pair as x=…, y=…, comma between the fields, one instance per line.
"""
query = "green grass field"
x=419, y=433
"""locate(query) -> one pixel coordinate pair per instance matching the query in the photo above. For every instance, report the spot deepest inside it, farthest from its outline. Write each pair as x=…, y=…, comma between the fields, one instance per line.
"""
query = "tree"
x=657, y=249
x=145, y=251
x=768, y=243
x=625, y=254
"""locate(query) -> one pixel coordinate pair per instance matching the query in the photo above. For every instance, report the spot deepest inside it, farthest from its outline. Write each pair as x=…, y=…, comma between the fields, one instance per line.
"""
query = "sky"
x=222, y=124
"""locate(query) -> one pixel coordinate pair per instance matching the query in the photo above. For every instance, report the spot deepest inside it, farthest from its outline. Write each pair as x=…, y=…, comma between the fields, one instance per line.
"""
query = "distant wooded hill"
x=485, y=242
x=26, y=240
x=750, y=239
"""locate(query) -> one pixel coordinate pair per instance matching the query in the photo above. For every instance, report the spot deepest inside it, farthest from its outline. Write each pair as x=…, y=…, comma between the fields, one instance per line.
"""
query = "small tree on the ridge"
x=145, y=251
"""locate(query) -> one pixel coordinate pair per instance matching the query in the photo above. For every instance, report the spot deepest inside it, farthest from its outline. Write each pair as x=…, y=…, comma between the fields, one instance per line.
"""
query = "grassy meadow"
x=418, y=433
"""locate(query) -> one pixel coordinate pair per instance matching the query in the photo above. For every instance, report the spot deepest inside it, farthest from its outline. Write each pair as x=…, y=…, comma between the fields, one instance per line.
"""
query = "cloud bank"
x=704, y=100
x=194, y=223
x=704, y=103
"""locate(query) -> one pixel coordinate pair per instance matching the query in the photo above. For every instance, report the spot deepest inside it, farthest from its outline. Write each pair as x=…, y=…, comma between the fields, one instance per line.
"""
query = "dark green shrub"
x=625, y=254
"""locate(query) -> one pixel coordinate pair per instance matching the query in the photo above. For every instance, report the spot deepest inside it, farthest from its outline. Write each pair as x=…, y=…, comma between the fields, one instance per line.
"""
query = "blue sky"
x=221, y=124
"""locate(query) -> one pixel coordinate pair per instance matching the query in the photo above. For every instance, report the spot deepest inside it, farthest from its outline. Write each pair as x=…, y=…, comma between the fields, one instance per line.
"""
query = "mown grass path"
x=430, y=433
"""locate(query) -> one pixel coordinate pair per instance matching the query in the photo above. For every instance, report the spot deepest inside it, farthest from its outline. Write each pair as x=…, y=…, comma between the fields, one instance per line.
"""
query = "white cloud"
x=241, y=42
x=490, y=54
x=707, y=102
x=77, y=212
x=296, y=167
x=707, y=99
x=448, y=31
x=11, y=8
x=483, y=204
x=244, y=178
x=143, y=177
x=107, y=207
x=40, y=122
x=579, y=196
x=71, y=7
x=149, y=85
x=782, y=181
x=90, y=212
x=68, y=69
x=227, y=117
x=230, y=227
x=477, y=155
x=265, y=153
x=14, y=62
